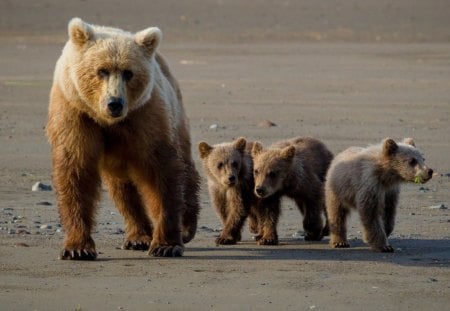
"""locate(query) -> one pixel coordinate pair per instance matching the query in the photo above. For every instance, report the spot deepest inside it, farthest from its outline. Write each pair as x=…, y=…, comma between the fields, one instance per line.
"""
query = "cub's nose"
x=260, y=191
x=115, y=106
x=232, y=179
x=430, y=173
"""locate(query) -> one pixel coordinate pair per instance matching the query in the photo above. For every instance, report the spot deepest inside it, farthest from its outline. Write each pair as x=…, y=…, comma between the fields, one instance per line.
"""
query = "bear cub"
x=294, y=168
x=229, y=170
x=368, y=180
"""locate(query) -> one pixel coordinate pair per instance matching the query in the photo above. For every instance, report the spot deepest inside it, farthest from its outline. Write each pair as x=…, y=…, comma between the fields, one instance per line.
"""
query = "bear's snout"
x=231, y=179
x=430, y=173
x=115, y=106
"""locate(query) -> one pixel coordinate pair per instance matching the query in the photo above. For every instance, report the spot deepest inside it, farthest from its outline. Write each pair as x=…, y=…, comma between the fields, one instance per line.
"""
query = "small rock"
x=424, y=189
x=439, y=206
x=118, y=231
x=41, y=187
x=298, y=235
x=214, y=127
x=206, y=229
x=21, y=245
x=11, y=231
x=23, y=231
x=45, y=227
x=432, y=280
x=45, y=203
x=266, y=124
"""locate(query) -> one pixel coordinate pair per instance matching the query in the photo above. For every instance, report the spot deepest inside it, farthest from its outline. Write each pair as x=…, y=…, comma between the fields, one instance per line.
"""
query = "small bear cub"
x=228, y=167
x=368, y=180
x=295, y=168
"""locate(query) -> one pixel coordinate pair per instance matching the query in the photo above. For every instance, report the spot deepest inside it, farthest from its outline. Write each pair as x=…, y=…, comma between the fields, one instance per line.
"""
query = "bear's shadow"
x=408, y=252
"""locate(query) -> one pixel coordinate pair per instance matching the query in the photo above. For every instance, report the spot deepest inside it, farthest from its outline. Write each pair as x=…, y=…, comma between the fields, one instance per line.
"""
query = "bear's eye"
x=272, y=175
x=412, y=162
x=255, y=172
x=127, y=75
x=103, y=73
x=234, y=164
x=219, y=165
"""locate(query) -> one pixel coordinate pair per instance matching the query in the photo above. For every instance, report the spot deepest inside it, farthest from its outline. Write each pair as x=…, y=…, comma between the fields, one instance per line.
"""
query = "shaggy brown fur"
x=116, y=112
x=368, y=179
x=294, y=168
x=228, y=167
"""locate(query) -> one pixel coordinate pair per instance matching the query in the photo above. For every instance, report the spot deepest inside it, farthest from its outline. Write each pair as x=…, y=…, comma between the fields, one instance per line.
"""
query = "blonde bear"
x=116, y=114
x=368, y=180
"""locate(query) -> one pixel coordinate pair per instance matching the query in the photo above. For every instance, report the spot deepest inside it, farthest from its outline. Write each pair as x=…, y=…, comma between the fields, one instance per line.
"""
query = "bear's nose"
x=115, y=106
x=232, y=179
x=430, y=173
x=260, y=191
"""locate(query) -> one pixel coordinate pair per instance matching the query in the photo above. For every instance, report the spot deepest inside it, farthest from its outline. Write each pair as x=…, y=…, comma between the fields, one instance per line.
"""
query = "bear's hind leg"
x=268, y=214
x=137, y=224
x=191, y=193
x=337, y=218
x=312, y=220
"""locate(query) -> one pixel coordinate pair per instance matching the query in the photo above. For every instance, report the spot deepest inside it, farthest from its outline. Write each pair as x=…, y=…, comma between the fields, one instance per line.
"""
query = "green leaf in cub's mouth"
x=418, y=180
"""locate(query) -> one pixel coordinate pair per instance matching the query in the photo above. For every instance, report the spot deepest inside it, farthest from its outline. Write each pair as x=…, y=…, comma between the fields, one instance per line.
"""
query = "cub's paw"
x=225, y=241
x=78, y=254
x=313, y=237
x=383, y=249
x=257, y=237
x=166, y=250
x=340, y=244
x=268, y=241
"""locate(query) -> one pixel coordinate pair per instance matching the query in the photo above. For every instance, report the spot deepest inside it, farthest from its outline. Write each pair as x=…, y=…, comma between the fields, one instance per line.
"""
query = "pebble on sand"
x=266, y=124
x=41, y=187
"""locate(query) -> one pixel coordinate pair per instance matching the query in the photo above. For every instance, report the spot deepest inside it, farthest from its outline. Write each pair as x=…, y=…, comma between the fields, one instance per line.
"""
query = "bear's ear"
x=257, y=148
x=204, y=149
x=149, y=39
x=239, y=144
x=288, y=153
x=389, y=147
x=80, y=32
x=409, y=141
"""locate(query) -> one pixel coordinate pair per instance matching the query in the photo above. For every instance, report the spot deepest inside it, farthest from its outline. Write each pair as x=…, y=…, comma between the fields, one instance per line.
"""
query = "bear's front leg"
x=77, y=182
x=268, y=214
x=235, y=218
x=162, y=192
x=337, y=218
x=373, y=233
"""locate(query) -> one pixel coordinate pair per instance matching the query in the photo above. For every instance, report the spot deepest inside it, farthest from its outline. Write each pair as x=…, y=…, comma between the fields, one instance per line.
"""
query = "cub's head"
x=406, y=161
x=270, y=168
x=223, y=162
x=110, y=69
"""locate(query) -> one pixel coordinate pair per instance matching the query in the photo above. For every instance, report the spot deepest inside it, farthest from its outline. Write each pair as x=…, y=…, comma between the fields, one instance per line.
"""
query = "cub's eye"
x=103, y=73
x=272, y=175
x=234, y=164
x=220, y=165
x=412, y=162
x=127, y=75
x=255, y=172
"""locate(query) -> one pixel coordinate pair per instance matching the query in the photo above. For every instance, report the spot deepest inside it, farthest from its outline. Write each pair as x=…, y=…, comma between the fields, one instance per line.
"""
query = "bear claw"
x=136, y=245
x=264, y=241
x=340, y=245
x=385, y=249
x=166, y=251
x=78, y=254
x=225, y=241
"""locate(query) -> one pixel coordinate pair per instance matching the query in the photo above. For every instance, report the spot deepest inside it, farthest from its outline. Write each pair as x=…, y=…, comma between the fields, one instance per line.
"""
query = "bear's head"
x=109, y=70
x=270, y=168
x=224, y=162
x=405, y=162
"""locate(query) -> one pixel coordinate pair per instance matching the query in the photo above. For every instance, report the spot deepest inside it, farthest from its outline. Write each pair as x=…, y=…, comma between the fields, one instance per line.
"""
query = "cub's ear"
x=239, y=144
x=149, y=39
x=257, y=148
x=288, y=153
x=390, y=147
x=80, y=32
x=204, y=149
x=409, y=141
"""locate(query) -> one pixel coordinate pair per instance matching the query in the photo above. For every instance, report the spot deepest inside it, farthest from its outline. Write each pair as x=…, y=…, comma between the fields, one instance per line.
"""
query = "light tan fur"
x=294, y=168
x=142, y=150
x=368, y=180
x=229, y=167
